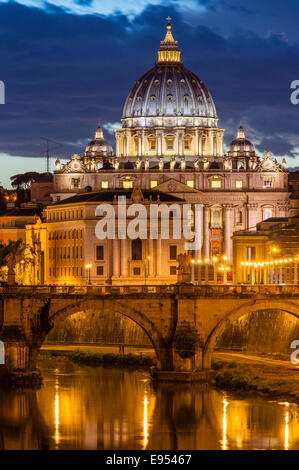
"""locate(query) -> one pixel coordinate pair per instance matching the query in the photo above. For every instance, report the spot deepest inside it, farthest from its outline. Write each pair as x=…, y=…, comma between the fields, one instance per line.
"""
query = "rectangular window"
x=267, y=183
x=50, y=272
x=100, y=252
x=239, y=184
x=216, y=184
x=105, y=185
x=187, y=144
x=172, y=270
x=152, y=144
x=75, y=183
x=190, y=183
x=136, y=271
x=172, y=252
x=154, y=183
x=169, y=144
x=100, y=270
x=127, y=184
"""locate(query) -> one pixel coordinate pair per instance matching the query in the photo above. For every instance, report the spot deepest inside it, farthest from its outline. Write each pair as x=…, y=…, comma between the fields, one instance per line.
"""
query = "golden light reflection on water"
x=84, y=408
x=57, y=438
x=145, y=422
x=286, y=432
x=224, y=425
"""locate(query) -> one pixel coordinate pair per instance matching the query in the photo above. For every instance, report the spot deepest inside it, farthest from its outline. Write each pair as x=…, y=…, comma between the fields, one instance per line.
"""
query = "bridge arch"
x=125, y=308
x=285, y=306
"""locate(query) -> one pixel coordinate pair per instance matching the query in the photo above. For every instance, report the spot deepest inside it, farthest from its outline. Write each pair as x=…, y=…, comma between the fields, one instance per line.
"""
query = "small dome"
x=169, y=90
x=98, y=147
x=241, y=146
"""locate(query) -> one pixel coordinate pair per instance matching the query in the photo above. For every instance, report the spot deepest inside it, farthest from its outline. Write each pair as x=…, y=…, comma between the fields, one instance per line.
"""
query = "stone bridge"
x=27, y=315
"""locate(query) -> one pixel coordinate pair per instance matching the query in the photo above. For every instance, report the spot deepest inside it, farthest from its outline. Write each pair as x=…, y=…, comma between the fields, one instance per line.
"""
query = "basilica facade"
x=170, y=148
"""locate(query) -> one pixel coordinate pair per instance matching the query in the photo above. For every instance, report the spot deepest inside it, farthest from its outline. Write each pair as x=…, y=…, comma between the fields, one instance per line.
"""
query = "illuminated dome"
x=169, y=94
x=241, y=146
x=98, y=147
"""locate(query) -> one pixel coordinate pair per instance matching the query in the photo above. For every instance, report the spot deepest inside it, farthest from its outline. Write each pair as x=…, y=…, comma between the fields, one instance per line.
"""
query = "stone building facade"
x=170, y=143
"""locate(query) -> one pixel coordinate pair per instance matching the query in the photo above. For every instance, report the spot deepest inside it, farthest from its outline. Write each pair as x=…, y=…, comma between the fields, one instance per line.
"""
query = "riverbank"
x=277, y=381
x=94, y=359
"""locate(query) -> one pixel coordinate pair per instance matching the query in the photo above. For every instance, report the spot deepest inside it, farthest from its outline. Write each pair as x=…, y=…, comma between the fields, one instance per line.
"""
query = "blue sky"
x=67, y=64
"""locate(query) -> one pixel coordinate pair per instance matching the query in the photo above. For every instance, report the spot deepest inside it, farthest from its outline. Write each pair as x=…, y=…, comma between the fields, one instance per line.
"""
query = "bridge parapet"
x=168, y=290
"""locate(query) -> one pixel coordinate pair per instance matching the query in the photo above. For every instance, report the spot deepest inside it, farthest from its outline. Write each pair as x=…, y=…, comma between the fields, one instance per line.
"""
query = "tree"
x=24, y=180
x=10, y=255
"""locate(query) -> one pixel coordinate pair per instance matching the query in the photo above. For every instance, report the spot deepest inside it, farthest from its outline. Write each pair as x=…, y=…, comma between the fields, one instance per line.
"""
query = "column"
x=200, y=143
x=124, y=257
x=115, y=257
x=228, y=231
x=151, y=254
x=143, y=142
x=196, y=142
x=206, y=232
x=252, y=215
x=159, y=254
x=159, y=144
x=211, y=136
x=139, y=150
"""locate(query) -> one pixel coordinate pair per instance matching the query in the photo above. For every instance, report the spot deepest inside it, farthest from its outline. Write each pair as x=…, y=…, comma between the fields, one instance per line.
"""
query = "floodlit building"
x=269, y=254
x=169, y=144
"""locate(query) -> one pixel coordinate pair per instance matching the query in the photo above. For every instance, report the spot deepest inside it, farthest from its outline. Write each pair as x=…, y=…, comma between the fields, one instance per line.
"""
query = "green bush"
x=185, y=343
x=110, y=359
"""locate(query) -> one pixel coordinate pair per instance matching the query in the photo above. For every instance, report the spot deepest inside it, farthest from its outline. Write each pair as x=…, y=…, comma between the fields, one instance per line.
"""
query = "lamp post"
x=88, y=267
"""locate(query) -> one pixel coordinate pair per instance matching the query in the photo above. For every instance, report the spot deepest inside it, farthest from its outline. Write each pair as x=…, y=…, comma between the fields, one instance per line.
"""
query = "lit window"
x=127, y=184
x=152, y=144
x=239, y=184
x=216, y=184
x=190, y=183
x=105, y=185
x=187, y=143
x=169, y=143
x=154, y=183
x=268, y=183
x=75, y=183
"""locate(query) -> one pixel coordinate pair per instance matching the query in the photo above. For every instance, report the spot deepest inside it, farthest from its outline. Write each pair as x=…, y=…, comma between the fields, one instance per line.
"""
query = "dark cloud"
x=64, y=72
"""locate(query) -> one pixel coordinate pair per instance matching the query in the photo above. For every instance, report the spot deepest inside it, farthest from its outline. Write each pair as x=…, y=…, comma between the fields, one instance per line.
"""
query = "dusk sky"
x=68, y=64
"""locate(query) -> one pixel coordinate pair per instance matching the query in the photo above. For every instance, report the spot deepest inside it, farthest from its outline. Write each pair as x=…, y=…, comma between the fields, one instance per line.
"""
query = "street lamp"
x=88, y=267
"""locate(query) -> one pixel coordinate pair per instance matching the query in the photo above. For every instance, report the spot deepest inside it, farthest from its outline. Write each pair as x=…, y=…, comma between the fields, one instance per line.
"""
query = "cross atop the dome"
x=168, y=19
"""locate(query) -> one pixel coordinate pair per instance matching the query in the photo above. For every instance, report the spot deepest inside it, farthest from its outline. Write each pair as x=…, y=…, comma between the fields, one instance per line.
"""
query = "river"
x=99, y=408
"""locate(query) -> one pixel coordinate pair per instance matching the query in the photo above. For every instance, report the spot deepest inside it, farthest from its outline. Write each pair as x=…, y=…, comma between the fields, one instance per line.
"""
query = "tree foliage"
x=185, y=343
x=24, y=180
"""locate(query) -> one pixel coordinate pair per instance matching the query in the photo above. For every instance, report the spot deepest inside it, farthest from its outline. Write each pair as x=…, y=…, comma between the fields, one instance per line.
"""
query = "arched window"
x=137, y=249
x=216, y=217
x=267, y=213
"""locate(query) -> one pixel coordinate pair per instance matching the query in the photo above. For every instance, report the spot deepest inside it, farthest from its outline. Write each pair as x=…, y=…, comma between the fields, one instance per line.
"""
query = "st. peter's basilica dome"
x=169, y=90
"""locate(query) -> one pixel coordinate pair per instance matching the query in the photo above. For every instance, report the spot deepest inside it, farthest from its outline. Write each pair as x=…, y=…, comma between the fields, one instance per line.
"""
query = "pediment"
x=174, y=186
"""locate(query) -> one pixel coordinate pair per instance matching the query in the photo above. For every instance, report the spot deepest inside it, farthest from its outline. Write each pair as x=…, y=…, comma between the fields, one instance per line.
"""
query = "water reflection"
x=85, y=408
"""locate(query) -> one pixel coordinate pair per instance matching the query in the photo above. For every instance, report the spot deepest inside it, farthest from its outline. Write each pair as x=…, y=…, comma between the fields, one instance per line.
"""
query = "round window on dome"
x=169, y=98
x=153, y=98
